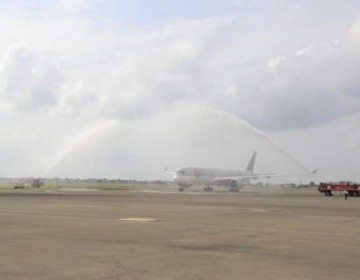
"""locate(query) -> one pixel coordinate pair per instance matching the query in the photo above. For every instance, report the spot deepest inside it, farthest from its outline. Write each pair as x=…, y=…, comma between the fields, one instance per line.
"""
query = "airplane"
x=234, y=179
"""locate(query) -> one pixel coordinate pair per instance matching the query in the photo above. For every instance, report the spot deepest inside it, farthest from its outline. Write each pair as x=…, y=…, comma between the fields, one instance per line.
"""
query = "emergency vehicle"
x=329, y=189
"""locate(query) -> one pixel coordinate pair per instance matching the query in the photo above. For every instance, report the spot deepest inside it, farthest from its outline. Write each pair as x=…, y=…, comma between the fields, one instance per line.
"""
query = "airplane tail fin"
x=251, y=164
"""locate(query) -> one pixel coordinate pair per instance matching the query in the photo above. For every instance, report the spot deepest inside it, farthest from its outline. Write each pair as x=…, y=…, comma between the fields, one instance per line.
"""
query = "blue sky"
x=156, y=12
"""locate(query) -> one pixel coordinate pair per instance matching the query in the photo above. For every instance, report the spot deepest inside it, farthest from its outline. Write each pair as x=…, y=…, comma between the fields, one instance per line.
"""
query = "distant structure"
x=29, y=183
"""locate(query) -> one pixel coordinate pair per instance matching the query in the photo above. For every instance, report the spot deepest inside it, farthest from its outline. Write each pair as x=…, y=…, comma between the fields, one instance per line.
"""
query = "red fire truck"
x=330, y=188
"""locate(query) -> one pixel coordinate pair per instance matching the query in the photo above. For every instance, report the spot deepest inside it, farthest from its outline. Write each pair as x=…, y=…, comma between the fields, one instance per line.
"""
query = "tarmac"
x=168, y=235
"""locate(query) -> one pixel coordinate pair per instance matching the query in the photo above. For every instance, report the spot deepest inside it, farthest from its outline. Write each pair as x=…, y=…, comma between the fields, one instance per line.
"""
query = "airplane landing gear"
x=233, y=186
x=208, y=189
x=182, y=187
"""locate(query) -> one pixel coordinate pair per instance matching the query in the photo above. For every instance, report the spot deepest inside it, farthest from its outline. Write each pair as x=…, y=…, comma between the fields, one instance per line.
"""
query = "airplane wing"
x=293, y=175
x=236, y=178
x=260, y=175
x=169, y=171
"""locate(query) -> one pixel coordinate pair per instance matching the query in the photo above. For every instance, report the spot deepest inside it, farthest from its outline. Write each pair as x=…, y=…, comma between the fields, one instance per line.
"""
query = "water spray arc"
x=78, y=141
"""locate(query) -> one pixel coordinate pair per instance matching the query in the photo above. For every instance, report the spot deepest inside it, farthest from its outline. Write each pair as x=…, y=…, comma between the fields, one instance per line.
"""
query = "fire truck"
x=330, y=188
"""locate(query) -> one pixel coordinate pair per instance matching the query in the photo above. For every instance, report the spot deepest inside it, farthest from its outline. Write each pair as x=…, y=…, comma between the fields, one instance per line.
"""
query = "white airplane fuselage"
x=232, y=178
x=189, y=176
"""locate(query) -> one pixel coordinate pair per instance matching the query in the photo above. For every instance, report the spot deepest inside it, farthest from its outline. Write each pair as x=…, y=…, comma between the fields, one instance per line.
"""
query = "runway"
x=168, y=235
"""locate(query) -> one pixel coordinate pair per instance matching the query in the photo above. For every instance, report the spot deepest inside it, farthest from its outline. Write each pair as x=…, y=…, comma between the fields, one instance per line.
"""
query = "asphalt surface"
x=161, y=235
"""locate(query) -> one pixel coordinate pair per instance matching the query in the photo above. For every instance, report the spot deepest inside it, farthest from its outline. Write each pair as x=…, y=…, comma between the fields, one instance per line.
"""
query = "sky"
x=123, y=89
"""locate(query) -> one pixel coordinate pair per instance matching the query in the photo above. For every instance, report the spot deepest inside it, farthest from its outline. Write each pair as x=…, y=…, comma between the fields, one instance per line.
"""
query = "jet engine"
x=233, y=186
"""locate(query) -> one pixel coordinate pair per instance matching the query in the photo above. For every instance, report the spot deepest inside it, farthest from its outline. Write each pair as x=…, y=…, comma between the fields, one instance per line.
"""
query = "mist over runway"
x=181, y=136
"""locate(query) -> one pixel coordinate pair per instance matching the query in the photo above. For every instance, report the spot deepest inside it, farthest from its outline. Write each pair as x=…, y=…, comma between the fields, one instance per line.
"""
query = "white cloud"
x=354, y=31
x=134, y=76
x=324, y=49
x=354, y=141
x=274, y=63
x=79, y=98
x=79, y=74
x=28, y=80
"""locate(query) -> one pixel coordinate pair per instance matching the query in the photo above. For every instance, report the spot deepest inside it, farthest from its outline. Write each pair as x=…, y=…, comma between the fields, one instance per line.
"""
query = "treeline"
x=106, y=181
